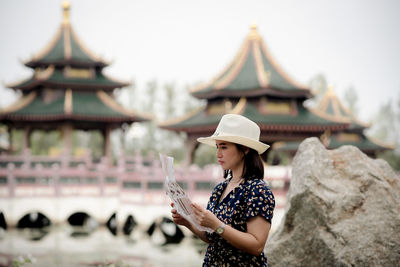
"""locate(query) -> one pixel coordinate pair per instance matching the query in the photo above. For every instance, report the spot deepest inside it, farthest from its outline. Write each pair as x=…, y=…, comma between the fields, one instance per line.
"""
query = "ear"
x=246, y=150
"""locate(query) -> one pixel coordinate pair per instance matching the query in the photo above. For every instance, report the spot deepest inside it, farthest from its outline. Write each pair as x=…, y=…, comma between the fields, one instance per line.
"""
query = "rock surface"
x=343, y=209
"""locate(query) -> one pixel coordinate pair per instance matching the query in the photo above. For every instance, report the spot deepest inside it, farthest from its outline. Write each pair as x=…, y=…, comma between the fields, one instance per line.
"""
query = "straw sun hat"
x=236, y=129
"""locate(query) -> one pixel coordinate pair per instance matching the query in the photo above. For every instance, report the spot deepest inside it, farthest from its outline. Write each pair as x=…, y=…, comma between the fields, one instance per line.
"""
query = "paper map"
x=182, y=202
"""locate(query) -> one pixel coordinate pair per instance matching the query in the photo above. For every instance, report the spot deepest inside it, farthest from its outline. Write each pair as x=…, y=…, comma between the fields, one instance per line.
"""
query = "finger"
x=195, y=210
x=197, y=206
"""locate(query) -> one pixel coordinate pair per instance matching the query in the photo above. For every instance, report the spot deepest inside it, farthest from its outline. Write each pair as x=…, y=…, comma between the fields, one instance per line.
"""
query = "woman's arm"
x=252, y=242
x=180, y=220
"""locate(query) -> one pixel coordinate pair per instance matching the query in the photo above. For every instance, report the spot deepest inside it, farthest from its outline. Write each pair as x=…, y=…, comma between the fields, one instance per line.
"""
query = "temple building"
x=68, y=90
x=255, y=86
x=331, y=108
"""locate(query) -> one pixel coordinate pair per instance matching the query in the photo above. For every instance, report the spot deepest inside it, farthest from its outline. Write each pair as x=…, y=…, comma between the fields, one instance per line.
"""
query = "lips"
x=220, y=162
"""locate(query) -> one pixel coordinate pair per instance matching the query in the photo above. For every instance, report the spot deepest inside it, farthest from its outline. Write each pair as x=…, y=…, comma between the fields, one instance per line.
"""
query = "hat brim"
x=256, y=145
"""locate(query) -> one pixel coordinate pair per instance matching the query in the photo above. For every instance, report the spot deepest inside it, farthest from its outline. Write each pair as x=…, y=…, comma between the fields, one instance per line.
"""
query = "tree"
x=386, y=127
x=149, y=140
x=164, y=103
x=318, y=86
x=350, y=99
x=42, y=141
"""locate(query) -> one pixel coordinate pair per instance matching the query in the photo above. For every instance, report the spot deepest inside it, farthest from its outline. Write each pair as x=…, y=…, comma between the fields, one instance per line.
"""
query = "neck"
x=236, y=177
x=237, y=173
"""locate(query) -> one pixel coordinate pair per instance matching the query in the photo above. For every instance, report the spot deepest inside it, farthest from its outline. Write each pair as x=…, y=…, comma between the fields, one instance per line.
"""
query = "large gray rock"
x=343, y=209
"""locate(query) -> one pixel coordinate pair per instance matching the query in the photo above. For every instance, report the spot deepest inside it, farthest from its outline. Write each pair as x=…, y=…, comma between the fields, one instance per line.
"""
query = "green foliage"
x=17, y=141
x=164, y=103
x=42, y=141
x=204, y=155
x=386, y=127
x=96, y=144
x=22, y=260
x=350, y=100
x=392, y=158
x=318, y=86
x=278, y=158
x=386, y=123
x=117, y=264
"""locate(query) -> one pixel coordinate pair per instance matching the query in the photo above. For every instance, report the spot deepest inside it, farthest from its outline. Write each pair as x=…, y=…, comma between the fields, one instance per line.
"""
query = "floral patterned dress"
x=251, y=198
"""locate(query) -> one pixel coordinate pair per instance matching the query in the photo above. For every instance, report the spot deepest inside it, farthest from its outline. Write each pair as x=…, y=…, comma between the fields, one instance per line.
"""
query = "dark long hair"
x=253, y=167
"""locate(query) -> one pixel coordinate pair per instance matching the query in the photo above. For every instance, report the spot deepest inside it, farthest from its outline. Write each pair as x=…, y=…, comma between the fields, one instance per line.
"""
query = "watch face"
x=219, y=230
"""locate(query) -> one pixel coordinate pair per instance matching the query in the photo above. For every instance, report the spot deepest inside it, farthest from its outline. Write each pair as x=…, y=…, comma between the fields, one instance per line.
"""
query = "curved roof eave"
x=252, y=93
x=254, y=62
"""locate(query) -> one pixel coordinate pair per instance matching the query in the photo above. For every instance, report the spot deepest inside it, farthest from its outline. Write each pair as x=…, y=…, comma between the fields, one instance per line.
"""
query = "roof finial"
x=66, y=5
x=253, y=35
x=330, y=92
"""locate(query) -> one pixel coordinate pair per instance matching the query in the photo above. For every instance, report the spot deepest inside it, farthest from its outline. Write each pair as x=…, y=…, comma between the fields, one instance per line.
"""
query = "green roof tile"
x=247, y=77
x=39, y=108
x=85, y=106
x=88, y=104
x=56, y=53
x=363, y=143
x=277, y=81
x=100, y=81
x=65, y=49
x=252, y=70
x=302, y=118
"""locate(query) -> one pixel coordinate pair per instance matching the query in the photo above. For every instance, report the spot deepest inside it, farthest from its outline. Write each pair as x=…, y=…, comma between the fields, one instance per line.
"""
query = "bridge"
x=59, y=189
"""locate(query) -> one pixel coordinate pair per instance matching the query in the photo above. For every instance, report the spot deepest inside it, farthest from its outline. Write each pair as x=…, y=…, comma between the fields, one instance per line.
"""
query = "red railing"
x=133, y=178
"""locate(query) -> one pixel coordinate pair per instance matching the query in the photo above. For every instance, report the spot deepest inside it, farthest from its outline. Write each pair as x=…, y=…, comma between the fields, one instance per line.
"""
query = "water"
x=65, y=245
x=68, y=246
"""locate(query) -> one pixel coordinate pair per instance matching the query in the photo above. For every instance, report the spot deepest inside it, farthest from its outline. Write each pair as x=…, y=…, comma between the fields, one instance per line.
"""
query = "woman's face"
x=228, y=156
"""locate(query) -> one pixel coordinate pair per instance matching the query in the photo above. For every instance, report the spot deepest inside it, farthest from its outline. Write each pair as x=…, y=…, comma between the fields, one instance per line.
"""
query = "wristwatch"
x=220, y=229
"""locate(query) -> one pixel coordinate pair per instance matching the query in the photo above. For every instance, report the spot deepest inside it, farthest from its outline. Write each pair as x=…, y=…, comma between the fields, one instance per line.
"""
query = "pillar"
x=191, y=144
x=26, y=139
x=107, y=144
x=66, y=130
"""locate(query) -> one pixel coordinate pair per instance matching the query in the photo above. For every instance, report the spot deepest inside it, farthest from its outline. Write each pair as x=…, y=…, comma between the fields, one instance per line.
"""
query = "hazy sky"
x=352, y=42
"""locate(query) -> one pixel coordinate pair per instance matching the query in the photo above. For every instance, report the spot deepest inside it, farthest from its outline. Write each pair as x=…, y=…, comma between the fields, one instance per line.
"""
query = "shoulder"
x=258, y=186
x=257, y=183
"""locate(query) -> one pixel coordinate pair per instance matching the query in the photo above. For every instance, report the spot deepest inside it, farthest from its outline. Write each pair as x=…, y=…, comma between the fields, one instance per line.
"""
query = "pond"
x=71, y=246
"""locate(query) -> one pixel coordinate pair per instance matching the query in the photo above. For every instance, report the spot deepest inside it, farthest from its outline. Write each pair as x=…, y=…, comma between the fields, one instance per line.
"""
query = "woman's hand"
x=177, y=218
x=205, y=217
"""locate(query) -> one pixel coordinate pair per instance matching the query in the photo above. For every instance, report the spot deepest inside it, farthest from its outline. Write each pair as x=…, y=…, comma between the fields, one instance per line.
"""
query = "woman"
x=240, y=208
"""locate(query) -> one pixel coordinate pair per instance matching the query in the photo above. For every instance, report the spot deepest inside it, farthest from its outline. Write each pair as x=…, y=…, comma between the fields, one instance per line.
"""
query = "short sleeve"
x=260, y=201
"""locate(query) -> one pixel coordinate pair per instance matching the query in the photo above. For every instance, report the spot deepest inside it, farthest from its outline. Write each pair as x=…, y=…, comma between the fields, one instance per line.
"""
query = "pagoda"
x=255, y=86
x=68, y=90
x=331, y=108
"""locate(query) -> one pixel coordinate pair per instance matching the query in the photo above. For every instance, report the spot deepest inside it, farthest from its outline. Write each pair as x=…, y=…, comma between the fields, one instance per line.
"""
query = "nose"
x=219, y=154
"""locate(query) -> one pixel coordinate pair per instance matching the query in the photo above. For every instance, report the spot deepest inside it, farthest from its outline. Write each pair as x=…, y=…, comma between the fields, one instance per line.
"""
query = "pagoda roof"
x=364, y=143
x=253, y=72
x=331, y=108
x=58, y=78
x=72, y=106
x=201, y=121
x=66, y=49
